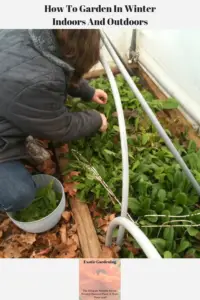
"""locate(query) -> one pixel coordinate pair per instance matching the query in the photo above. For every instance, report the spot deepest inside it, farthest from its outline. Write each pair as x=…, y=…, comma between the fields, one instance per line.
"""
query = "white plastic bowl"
x=51, y=220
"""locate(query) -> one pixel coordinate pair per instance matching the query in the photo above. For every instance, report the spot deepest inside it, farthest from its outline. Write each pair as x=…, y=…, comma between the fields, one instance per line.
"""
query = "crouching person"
x=38, y=69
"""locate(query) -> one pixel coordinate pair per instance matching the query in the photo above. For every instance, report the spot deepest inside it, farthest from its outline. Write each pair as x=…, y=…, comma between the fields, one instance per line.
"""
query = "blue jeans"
x=17, y=189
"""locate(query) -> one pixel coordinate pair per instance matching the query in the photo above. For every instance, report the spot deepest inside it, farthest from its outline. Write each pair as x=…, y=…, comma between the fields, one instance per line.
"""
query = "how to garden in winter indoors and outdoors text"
x=138, y=14
x=99, y=150
x=129, y=9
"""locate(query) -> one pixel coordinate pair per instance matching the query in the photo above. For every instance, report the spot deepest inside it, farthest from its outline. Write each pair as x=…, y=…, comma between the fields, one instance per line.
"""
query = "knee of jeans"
x=20, y=198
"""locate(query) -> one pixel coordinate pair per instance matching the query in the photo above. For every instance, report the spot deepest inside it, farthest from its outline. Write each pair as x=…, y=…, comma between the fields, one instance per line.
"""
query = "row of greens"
x=161, y=200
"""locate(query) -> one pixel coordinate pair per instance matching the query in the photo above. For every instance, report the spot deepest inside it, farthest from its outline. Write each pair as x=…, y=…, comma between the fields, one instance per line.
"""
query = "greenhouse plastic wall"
x=173, y=59
x=121, y=39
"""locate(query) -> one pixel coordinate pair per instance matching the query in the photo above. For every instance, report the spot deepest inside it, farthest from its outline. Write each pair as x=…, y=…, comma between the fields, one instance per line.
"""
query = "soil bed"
x=81, y=231
x=162, y=201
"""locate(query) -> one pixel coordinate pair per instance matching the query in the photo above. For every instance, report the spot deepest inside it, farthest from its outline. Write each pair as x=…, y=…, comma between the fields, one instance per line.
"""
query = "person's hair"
x=80, y=48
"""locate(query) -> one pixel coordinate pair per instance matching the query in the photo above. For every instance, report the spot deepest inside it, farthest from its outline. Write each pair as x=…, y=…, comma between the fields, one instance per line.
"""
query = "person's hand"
x=104, y=125
x=100, y=97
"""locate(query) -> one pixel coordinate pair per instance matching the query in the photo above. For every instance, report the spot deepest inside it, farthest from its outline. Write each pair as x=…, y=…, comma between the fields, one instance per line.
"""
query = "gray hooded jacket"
x=33, y=90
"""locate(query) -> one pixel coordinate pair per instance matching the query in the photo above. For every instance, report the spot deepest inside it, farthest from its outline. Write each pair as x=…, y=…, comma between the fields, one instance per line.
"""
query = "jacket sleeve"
x=83, y=91
x=39, y=111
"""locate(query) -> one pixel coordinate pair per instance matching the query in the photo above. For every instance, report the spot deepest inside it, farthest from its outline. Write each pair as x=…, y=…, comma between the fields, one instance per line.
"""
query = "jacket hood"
x=45, y=42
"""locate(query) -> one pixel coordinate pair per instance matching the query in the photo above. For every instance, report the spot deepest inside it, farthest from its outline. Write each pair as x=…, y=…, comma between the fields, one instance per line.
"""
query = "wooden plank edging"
x=89, y=242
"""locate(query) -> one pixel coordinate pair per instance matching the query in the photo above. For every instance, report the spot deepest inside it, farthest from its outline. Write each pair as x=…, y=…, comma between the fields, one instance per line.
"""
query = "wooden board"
x=88, y=239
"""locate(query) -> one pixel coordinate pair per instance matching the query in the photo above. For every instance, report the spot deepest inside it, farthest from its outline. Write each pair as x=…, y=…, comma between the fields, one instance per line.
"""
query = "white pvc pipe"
x=150, y=113
x=137, y=234
x=124, y=145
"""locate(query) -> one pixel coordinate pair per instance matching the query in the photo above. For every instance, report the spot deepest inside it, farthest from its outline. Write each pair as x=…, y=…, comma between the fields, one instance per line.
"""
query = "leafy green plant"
x=45, y=202
x=161, y=198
